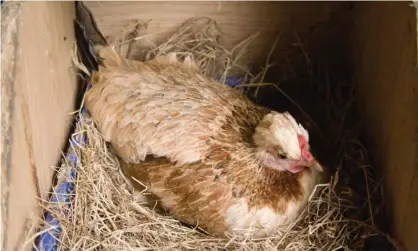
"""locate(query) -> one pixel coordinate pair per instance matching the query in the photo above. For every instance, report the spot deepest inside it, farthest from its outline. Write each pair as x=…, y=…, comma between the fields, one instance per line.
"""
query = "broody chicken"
x=209, y=155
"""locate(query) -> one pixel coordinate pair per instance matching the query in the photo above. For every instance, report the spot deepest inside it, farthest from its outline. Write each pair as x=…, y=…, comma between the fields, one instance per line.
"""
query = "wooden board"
x=38, y=93
x=238, y=20
x=385, y=48
x=38, y=86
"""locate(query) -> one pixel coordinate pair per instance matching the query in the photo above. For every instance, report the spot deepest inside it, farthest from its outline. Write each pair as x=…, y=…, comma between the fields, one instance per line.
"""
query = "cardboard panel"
x=38, y=95
x=385, y=49
x=238, y=20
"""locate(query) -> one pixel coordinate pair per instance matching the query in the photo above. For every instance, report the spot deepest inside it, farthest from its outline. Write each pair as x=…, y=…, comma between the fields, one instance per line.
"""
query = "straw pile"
x=105, y=216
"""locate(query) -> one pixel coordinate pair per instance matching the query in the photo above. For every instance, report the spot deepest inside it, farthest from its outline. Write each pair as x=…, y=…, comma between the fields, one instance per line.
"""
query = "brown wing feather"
x=161, y=107
x=190, y=192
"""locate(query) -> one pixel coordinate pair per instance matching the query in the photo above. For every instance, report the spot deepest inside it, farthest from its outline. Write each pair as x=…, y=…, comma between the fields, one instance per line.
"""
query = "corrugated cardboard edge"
x=9, y=31
x=416, y=107
x=416, y=100
x=415, y=3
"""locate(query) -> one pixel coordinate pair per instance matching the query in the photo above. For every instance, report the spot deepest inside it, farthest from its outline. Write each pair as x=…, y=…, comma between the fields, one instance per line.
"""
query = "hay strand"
x=105, y=216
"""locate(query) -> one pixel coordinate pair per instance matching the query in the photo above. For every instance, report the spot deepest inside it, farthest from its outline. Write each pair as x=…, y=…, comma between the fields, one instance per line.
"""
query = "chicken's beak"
x=315, y=164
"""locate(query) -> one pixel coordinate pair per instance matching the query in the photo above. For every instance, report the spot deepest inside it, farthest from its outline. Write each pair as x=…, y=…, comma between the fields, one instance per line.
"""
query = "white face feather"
x=285, y=130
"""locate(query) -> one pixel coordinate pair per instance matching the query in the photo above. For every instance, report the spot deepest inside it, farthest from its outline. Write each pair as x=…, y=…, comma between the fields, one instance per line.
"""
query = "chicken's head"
x=284, y=144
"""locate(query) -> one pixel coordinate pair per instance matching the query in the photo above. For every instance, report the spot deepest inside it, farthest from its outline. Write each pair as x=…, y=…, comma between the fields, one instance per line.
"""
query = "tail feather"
x=86, y=19
x=88, y=37
x=85, y=48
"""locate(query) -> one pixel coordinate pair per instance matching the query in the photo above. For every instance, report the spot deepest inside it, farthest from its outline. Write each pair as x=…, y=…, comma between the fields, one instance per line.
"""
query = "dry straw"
x=105, y=216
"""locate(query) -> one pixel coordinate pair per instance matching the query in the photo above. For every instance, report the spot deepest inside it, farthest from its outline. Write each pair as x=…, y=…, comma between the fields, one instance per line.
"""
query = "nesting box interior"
x=375, y=43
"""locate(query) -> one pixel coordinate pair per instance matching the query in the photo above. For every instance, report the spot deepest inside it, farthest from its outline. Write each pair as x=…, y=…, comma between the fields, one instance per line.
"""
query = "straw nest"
x=105, y=216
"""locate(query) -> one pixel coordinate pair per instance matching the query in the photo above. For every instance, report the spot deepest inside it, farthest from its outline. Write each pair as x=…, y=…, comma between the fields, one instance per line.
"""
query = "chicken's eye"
x=282, y=156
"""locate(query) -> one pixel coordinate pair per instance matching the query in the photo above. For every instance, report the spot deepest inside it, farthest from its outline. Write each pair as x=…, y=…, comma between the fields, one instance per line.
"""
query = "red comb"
x=304, y=148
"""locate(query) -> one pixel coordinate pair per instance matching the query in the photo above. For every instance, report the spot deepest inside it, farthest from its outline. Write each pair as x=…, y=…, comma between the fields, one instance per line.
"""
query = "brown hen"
x=211, y=156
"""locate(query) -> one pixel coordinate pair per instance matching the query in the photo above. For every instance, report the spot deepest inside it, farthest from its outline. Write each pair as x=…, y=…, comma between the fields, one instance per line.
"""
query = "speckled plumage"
x=224, y=195
x=165, y=108
x=211, y=156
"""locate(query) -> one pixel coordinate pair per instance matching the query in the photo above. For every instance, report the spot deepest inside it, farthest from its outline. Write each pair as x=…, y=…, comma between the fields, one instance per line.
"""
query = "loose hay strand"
x=105, y=216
